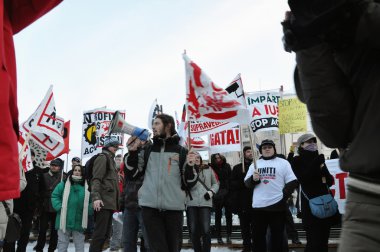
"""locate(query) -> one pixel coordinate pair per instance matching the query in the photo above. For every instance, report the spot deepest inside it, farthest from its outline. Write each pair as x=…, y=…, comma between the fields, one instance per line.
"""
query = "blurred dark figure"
x=337, y=46
x=242, y=196
x=223, y=170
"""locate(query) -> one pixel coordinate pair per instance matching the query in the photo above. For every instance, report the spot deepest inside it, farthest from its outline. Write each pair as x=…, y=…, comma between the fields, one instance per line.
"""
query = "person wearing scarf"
x=71, y=200
x=199, y=206
x=315, y=179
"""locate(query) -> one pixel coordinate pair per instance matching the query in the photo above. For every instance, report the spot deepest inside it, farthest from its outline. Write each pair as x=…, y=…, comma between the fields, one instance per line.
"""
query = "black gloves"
x=207, y=195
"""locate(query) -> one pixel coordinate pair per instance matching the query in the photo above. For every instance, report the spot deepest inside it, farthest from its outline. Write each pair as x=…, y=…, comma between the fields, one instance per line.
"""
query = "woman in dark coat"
x=223, y=171
x=315, y=180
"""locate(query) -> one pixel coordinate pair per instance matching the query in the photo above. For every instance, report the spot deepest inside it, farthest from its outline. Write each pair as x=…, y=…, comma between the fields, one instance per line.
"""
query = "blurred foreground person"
x=15, y=15
x=337, y=46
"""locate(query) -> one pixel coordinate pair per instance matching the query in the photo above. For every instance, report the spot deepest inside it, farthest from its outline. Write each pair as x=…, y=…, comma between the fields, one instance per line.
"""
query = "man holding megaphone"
x=169, y=174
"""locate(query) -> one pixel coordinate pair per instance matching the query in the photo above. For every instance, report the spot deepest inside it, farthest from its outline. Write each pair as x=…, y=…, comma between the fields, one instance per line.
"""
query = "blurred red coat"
x=15, y=15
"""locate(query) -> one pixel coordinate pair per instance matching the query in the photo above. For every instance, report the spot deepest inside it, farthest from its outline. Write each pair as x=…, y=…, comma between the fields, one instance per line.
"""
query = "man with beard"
x=243, y=198
x=168, y=171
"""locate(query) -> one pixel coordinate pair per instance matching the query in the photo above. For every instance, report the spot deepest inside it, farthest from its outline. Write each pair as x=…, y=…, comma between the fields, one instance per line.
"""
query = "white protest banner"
x=45, y=127
x=206, y=101
x=204, y=128
x=339, y=188
x=155, y=109
x=198, y=144
x=45, y=120
x=263, y=110
x=225, y=140
x=26, y=156
x=95, y=130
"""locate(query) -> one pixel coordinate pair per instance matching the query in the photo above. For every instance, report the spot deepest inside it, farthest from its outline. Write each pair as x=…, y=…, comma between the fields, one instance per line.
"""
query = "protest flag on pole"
x=206, y=101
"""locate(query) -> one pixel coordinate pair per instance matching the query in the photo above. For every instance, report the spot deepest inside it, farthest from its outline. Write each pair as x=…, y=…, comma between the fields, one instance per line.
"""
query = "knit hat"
x=246, y=148
x=57, y=162
x=75, y=159
x=304, y=138
x=111, y=141
x=267, y=142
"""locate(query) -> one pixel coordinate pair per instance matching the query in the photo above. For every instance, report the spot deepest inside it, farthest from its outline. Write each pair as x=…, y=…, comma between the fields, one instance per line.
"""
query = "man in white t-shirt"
x=273, y=182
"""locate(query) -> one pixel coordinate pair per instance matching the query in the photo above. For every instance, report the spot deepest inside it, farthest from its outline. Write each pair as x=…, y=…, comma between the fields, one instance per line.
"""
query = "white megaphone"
x=119, y=125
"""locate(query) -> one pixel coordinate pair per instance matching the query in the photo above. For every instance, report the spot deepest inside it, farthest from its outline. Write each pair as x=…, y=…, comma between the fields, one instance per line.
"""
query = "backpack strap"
x=204, y=185
x=6, y=208
x=147, y=152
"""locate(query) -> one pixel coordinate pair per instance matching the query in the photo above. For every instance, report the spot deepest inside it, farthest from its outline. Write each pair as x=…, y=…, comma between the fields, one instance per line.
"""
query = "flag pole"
x=241, y=149
x=188, y=134
x=253, y=146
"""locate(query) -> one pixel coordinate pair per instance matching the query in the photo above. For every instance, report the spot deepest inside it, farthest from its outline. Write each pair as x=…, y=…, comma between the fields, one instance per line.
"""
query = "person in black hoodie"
x=223, y=171
x=243, y=198
x=315, y=180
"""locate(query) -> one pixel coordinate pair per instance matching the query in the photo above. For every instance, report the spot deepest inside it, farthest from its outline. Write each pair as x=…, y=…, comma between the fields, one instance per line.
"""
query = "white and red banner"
x=95, y=130
x=205, y=101
x=204, y=128
x=26, y=156
x=263, y=110
x=225, y=140
x=155, y=109
x=45, y=127
x=65, y=146
x=339, y=189
x=199, y=144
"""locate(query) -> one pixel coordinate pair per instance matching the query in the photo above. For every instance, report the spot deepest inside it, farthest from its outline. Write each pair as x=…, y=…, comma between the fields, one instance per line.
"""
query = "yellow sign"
x=292, y=116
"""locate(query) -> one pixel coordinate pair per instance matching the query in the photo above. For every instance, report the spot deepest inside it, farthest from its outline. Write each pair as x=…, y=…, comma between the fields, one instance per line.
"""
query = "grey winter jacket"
x=163, y=175
x=208, y=177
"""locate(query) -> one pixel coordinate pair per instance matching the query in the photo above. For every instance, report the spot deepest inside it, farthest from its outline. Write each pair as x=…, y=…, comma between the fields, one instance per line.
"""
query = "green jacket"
x=105, y=182
x=74, y=205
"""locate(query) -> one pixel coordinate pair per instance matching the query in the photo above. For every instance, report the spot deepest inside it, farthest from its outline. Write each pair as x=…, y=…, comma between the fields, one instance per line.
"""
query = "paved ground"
x=236, y=246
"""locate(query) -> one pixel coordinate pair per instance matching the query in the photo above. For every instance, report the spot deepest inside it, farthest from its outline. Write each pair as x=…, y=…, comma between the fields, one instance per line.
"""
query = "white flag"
x=206, y=101
x=45, y=127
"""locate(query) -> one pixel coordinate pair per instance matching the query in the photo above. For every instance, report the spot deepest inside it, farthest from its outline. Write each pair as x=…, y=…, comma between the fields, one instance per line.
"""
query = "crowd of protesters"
x=110, y=199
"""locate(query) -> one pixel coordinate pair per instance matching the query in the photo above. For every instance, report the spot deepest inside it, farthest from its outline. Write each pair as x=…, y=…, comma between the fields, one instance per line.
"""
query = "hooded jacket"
x=75, y=205
x=105, y=182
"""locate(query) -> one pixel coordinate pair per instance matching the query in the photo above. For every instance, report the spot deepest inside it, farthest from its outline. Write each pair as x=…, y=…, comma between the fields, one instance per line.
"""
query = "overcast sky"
x=125, y=53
